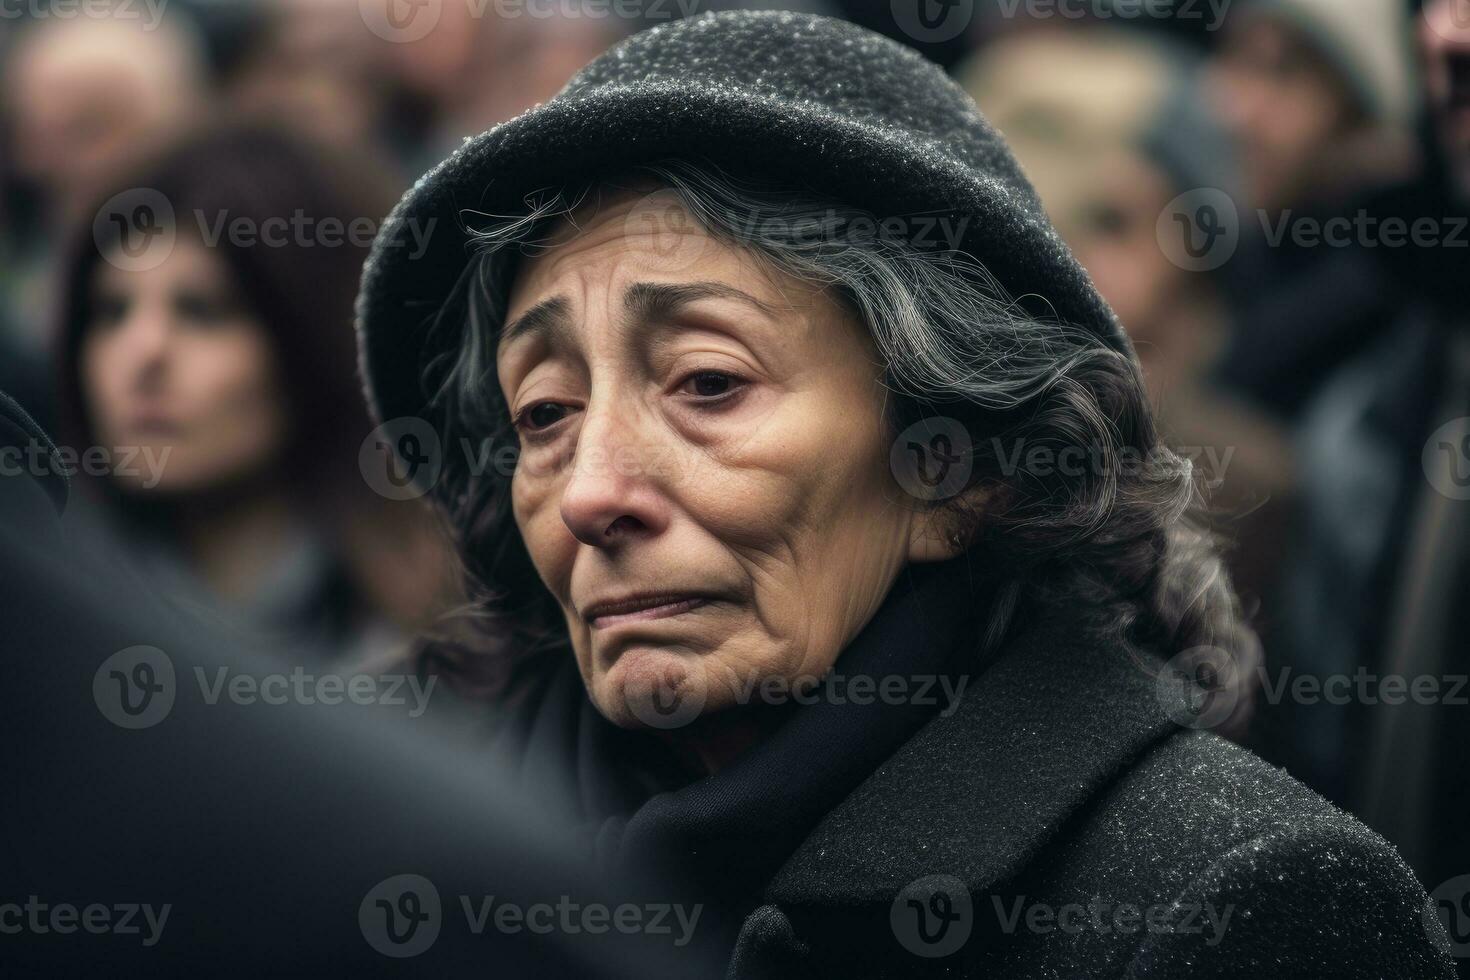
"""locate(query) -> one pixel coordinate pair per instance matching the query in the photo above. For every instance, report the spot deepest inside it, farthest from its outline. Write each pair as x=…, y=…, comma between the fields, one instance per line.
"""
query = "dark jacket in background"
x=1299, y=312
x=1379, y=573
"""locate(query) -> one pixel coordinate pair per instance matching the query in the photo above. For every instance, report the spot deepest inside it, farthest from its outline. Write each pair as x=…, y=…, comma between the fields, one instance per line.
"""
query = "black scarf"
x=727, y=834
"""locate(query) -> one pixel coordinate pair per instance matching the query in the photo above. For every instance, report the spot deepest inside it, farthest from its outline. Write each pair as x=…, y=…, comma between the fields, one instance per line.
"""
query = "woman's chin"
x=651, y=686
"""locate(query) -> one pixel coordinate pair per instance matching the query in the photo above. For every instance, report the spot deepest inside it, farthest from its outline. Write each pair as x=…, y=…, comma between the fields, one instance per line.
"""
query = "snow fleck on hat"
x=767, y=93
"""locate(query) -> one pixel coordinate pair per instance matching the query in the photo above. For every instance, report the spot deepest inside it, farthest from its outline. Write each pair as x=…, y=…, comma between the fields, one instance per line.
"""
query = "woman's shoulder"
x=1207, y=802
x=1212, y=777
x=1292, y=884
x=1226, y=804
x=1211, y=781
x=1062, y=803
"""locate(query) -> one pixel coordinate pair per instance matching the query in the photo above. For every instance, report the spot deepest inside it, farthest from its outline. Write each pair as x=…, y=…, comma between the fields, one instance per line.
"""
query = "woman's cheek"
x=529, y=500
x=527, y=507
x=106, y=382
x=765, y=480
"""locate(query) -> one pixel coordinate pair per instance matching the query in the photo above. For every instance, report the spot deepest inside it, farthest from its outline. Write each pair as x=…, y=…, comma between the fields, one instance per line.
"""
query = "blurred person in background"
x=1384, y=449
x=475, y=67
x=226, y=367
x=1319, y=97
x=313, y=64
x=1110, y=128
x=1311, y=89
x=77, y=94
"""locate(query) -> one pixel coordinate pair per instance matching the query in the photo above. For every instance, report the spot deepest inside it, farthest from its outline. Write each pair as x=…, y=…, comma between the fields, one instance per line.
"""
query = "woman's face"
x=172, y=363
x=1112, y=227
x=1283, y=104
x=703, y=482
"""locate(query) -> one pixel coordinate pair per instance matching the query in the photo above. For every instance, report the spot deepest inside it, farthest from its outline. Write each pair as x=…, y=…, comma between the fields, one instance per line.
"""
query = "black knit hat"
x=774, y=94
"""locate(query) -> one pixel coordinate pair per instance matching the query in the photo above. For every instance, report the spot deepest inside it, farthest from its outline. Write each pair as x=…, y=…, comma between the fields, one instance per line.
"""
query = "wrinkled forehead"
x=640, y=248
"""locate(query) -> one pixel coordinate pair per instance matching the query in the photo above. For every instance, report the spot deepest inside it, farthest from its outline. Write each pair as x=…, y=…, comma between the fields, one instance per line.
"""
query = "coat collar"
x=977, y=793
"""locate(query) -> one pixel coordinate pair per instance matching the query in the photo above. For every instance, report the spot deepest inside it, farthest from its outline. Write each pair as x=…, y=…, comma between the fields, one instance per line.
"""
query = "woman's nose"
x=612, y=495
x=143, y=342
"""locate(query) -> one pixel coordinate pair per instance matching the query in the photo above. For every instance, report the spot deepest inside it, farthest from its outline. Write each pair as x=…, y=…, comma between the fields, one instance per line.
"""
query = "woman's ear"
x=945, y=530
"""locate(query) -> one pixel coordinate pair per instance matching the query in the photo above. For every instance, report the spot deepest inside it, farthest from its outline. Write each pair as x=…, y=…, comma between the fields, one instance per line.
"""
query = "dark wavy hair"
x=1107, y=540
x=301, y=292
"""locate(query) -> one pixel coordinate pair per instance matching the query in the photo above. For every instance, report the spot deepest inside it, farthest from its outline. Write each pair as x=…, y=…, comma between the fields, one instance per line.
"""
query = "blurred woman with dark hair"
x=206, y=346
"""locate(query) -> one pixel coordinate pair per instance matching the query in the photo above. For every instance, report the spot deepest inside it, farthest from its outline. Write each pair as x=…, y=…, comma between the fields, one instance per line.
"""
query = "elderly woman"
x=816, y=502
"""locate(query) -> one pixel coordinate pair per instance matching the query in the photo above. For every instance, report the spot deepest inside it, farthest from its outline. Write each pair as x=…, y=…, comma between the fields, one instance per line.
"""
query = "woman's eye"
x=109, y=310
x=1109, y=220
x=200, y=309
x=710, y=384
x=541, y=415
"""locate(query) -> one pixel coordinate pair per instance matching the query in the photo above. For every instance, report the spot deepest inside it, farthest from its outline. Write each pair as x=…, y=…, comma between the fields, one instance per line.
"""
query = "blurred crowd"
x=1272, y=194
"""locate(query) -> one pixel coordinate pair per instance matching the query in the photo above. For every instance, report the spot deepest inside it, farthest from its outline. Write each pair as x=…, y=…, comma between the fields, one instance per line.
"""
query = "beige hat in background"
x=1368, y=41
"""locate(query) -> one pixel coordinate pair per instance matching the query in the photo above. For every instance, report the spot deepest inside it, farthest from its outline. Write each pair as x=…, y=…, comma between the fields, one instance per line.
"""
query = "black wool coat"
x=1059, y=824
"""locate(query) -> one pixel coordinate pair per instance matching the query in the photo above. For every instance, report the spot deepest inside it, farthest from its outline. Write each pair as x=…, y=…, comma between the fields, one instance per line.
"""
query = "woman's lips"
x=153, y=424
x=659, y=609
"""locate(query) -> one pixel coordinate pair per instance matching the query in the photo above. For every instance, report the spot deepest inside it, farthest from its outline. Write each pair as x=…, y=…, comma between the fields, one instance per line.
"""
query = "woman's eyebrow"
x=646, y=303
x=649, y=302
x=548, y=316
